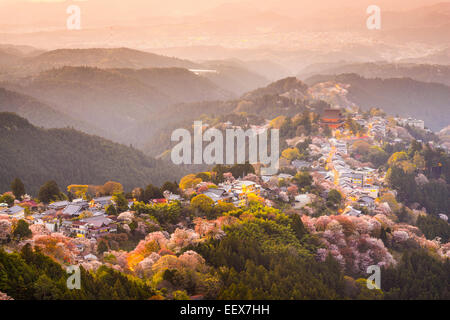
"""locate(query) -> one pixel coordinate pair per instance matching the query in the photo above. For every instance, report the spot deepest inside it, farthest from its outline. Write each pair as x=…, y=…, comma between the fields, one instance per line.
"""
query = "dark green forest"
x=31, y=275
x=68, y=156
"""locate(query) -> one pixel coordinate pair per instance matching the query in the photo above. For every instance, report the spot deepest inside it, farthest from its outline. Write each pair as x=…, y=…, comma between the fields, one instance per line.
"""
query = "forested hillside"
x=113, y=101
x=68, y=156
x=31, y=275
x=39, y=113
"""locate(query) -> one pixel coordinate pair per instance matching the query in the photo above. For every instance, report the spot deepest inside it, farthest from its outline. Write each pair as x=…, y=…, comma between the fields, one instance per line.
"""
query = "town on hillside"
x=340, y=169
x=360, y=187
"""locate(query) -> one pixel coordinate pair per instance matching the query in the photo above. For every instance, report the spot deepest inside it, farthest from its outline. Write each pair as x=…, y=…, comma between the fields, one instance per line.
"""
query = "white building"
x=412, y=123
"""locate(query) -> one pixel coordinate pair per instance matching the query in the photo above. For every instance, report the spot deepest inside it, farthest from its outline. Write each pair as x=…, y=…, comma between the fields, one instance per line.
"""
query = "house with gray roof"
x=218, y=195
x=103, y=201
x=17, y=212
x=58, y=205
x=366, y=201
x=97, y=221
x=73, y=210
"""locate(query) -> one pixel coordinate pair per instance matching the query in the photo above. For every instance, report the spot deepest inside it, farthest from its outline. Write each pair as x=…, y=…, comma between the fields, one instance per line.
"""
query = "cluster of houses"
x=234, y=191
x=360, y=186
x=377, y=127
x=327, y=158
x=77, y=218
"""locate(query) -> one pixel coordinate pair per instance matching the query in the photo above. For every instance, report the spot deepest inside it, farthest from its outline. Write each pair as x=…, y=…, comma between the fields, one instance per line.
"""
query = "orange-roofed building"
x=332, y=118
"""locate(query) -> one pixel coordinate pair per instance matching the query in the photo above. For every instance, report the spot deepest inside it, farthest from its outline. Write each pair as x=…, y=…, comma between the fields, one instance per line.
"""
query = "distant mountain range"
x=117, y=93
x=384, y=70
x=105, y=58
x=94, y=57
x=440, y=56
x=114, y=100
x=11, y=55
x=68, y=156
x=135, y=97
x=236, y=78
x=427, y=24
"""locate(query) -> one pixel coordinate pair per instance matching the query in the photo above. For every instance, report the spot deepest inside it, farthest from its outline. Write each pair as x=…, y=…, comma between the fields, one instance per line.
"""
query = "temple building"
x=333, y=118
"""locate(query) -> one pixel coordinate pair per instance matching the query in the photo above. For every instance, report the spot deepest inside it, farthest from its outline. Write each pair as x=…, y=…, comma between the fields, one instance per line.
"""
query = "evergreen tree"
x=22, y=230
x=49, y=192
x=151, y=192
x=120, y=201
x=383, y=236
x=433, y=227
x=170, y=186
x=18, y=188
x=102, y=247
x=297, y=226
x=7, y=198
x=334, y=196
x=111, y=210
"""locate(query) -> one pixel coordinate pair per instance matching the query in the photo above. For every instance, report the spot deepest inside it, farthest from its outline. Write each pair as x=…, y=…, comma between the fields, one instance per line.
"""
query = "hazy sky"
x=162, y=23
x=34, y=12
